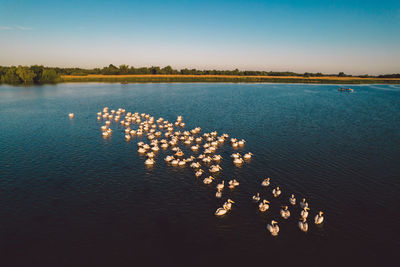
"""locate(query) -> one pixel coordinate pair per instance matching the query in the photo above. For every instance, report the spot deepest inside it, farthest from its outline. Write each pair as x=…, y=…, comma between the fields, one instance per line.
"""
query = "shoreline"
x=159, y=78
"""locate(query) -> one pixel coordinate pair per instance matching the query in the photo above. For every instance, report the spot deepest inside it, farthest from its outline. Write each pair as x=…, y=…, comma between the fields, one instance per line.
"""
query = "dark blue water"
x=68, y=197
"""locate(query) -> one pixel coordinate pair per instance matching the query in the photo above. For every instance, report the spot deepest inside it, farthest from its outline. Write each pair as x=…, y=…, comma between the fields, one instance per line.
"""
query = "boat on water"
x=342, y=89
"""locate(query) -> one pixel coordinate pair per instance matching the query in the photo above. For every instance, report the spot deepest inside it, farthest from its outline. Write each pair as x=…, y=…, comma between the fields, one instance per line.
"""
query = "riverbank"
x=226, y=78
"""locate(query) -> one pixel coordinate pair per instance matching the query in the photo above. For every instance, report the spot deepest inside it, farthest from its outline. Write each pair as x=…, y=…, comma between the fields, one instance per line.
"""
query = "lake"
x=69, y=197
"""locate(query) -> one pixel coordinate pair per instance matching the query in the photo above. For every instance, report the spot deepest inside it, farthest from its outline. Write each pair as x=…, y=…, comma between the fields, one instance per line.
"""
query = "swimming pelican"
x=273, y=228
x=195, y=165
x=233, y=183
x=263, y=206
x=241, y=142
x=168, y=158
x=219, y=193
x=141, y=150
x=195, y=148
x=71, y=115
x=319, y=218
x=247, y=155
x=304, y=213
x=164, y=145
x=228, y=204
x=285, y=213
x=215, y=168
x=217, y=158
x=235, y=145
x=220, y=186
x=179, y=153
x=265, y=182
x=220, y=211
x=150, y=155
x=199, y=173
x=155, y=148
x=276, y=192
x=127, y=137
x=256, y=197
x=238, y=161
x=149, y=162
x=174, y=162
x=235, y=155
x=303, y=204
x=182, y=162
x=208, y=180
x=303, y=225
x=292, y=200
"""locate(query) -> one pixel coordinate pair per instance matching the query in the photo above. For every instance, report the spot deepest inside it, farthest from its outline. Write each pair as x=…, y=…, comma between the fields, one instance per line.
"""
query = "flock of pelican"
x=164, y=135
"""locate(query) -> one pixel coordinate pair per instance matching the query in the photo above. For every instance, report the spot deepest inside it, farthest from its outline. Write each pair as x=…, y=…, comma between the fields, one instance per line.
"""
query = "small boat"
x=342, y=89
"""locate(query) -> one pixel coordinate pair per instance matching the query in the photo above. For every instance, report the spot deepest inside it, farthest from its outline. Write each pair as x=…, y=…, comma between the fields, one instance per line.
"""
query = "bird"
x=228, y=204
x=71, y=115
x=303, y=225
x=285, y=213
x=221, y=185
x=273, y=228
x=319, y=218
x=303, y=204
x=263, y=206
x=265, y=182
x=304, y=213
x=208, y=180
x=292, y=200
x=256, y=197
x=276, y=192
x=219, y=193
x=199, y=173
x=247, y=155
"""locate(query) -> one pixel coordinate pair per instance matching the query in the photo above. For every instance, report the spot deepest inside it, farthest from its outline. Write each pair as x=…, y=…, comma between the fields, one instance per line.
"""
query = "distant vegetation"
x=41, y=75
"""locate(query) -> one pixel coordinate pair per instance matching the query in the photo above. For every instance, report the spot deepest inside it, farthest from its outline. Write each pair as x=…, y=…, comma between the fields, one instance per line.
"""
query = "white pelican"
x=150, y=155
x=319, y=218
x=235, y=145
x=292, y=200
x=195, y=165
x=256, y=197
x=304, y=213
x=220, y=186
x=217, y=158
x=241, y=142
x=208, y=180
x=263, y=206
x=285, y=213
x=179, y=153
x=247, y=155
x=265, y=182
x=127, y=137
x=238, y=161
x=215, y=168
x=235, y=155
x=141, y=150
x=195, y=148
x=174, y=162
x=218, y=194
x=220, y=211
x=199, y=173
x=273, y=228
x=206, y=160
x=303, y=225
x=149, y=162
x=155, y=148
x=228, y=204
x=233, y=183
x=168, y=158
x=164, y=146
x=303, y=204
x=182, y=162
x=276, y=192
x=71, y=115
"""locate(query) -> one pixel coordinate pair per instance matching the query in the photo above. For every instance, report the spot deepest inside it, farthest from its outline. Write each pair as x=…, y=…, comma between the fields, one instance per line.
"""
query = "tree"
x=11, y=76
x=123, y=69
x=49, y=76
x=25, y=74
x=341, y=74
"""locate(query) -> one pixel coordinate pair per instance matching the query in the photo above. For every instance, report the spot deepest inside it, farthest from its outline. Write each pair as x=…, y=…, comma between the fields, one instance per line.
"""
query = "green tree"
x=25, y=74
x=11, y=76
x=49, y=76
x=341, y=74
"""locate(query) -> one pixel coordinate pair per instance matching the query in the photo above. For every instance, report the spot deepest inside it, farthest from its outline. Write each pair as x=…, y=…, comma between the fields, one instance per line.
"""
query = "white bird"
x=292, y=200
x=276, y=192
x=228, y=204
x=220, y=186
x=319, y=218
x=208, y=180
x=273, y=228
x=71, y=115
x=219, y=193
x=215, y=168
x=220, y=212
x=247, y=155
x=233, y=183
x=256, y=197
x=169, y=158
x=149, y=161
x=263, y=206
x=303, y=225
x=304, y=213
x=265, y=182
x=285, y=213
x=199, y=173
x=303, y=204
x=238, y=161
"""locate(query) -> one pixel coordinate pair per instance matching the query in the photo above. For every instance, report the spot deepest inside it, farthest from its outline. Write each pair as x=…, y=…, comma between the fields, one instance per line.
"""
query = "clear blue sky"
x=329, y=36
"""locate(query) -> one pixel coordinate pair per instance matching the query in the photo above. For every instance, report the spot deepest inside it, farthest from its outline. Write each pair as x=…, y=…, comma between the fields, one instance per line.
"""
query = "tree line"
x=41, y=75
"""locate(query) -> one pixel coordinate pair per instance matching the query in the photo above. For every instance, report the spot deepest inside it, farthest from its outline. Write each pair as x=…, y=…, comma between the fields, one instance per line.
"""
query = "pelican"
x=276, y=192
x=238, y=161
x=233, y=183
x=217, y=158
x=241, y=142
x=220, y=186
x=195, y=148
x=218, y=194
x=206, y=160
x=292, y=200
x=303, y=225
x=199, y=173
x=304, y=213
x=319, y=218
x=182, y=162
x=263, y=206
x=168, y=158
x=149, y=162
x=174, y=162
x=195, y=165
x=141, y=150
x=235, y=145
x=150, y=155
x=247, y=155
x=265, y=182
x=256, y=197
x=303, y=204
x=273, y=228
x=235, y=155
x=220, y=211
x=179, y=153
x=215, y=168
x=228, y=204
x=71, y=115
x=285, y=213
x=164, y=146
x=155, y=148
x=208, y=180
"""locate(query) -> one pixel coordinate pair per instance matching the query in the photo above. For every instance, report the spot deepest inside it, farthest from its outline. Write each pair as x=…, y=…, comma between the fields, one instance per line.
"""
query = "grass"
x=225, y=78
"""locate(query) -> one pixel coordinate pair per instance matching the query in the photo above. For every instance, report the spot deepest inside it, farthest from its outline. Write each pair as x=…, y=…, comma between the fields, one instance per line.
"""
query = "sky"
x=356, y=37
